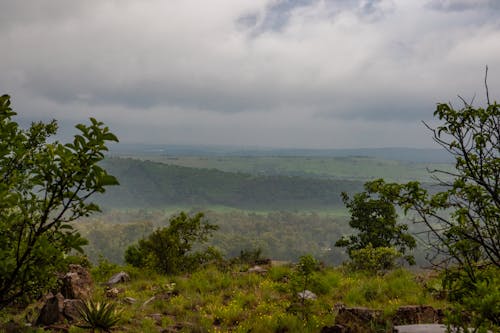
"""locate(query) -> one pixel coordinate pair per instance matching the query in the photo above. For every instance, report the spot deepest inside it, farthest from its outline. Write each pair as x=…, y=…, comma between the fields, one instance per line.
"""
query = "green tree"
x=463, y=216
x=169, y=249
x=375, y=217
x=305, y=270
x=44, y=186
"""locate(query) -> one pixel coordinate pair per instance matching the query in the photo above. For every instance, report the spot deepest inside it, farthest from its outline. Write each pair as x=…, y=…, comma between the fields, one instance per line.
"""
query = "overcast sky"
x=274, y=73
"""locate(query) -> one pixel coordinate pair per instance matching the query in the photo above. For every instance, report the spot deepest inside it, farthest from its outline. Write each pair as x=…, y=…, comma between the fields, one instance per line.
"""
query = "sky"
x=260, y=73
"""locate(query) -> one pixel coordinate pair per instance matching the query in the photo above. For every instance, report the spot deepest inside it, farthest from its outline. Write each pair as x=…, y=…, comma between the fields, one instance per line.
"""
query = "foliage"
x=374, y=259
x=280, y=235
x=150, y=184
x=249, y=256
x=376, y=219
x=391, y=164
x=463, y=216
x=109, y=239
x=305, y=269
x=169, y=249
x=478, y=302
x=104, y=269
x=100, y=316
x=44, y=186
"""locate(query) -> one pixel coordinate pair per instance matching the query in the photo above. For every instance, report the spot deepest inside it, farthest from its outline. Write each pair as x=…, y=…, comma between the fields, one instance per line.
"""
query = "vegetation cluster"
x=46, y=186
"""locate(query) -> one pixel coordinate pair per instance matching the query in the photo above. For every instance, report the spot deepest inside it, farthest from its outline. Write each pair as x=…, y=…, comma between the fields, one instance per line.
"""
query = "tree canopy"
x=169, y=249
x=44, y=186
x=462, y=214
x=375, y=217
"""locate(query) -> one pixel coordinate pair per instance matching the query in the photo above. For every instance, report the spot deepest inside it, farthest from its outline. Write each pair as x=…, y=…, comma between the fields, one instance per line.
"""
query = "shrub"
x=100, y=316
x=374, y=260
x=169, y=250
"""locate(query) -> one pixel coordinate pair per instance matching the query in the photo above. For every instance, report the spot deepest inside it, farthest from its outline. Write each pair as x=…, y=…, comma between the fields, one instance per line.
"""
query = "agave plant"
x=101, y=316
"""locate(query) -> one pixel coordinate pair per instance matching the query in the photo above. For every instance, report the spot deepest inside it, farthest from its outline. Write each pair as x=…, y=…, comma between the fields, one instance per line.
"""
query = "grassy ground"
x=233, y=300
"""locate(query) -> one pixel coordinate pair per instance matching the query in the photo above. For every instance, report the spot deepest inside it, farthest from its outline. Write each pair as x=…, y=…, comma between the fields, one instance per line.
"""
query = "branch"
x=486, y=86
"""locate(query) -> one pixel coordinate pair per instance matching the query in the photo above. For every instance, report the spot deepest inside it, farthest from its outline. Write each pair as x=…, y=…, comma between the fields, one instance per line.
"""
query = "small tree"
x=169, y=249
x=376, y=219
x=305, y=269
x=43, y=187
x=463, y=217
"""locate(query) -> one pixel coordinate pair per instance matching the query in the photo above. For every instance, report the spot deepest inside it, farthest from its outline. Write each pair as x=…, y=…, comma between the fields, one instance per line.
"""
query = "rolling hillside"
x=152, y=184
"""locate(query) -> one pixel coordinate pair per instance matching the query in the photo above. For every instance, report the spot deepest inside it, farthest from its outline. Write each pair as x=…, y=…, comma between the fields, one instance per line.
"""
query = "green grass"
x=230, y=299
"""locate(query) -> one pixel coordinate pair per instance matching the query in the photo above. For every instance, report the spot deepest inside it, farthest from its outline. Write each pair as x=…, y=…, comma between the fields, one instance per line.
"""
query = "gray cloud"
x=308, y=72
x=463, y=5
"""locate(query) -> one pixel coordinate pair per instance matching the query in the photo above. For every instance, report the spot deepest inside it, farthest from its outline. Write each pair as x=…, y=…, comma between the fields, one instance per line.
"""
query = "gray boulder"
x=118, y=278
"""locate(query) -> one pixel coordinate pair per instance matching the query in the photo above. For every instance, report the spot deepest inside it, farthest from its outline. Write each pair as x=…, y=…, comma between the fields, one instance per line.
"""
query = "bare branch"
x=486, y=86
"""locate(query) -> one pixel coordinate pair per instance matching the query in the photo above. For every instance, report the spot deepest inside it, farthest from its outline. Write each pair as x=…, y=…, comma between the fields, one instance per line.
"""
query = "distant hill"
x=151, y=184
x=398, y=154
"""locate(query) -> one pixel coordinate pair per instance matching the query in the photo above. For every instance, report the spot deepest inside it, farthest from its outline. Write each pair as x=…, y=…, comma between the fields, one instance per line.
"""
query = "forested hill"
x=151, y=184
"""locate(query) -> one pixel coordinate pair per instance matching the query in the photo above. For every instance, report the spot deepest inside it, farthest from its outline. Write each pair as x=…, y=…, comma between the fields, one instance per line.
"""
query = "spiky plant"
x=101, y=316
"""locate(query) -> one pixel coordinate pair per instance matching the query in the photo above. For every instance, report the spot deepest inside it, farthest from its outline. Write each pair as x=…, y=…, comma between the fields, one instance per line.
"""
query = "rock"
x=417, y=314
x=51, y=311
x=257, y=269
x=333, y=329
x=156, y=317
x=338, y=306
x=359, y=319
x=118, y=278
x=424, y=328
x=77, y=283
x=71, y=309
x=307, y=294
x=129, y=300
x=112, y=293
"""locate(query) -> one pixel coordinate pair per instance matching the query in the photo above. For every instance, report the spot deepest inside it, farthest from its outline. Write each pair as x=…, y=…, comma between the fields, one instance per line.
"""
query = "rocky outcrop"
x=71, y=309
x=358, y=319
x=257, y=269
x=77, y=283
x=307, y=295
x=417, y=314
x=52, y=310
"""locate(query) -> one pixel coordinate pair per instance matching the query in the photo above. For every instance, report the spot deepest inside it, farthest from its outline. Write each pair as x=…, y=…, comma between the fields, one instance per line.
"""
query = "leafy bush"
x=104, y=269
x=374, y=260
x=249, y=256
x=169, y=250
x=477, y=303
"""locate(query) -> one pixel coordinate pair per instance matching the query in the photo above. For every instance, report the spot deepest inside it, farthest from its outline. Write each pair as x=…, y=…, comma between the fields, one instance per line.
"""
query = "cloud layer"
x=294, y=73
